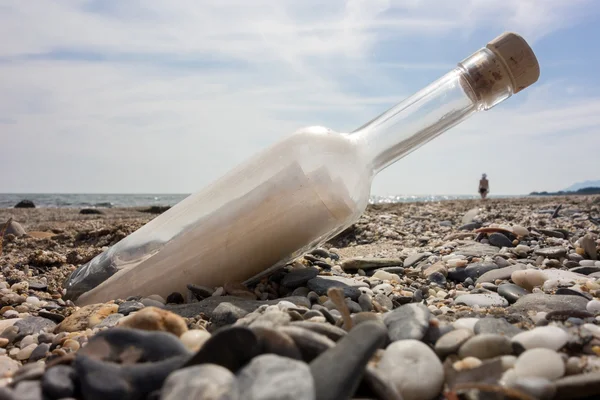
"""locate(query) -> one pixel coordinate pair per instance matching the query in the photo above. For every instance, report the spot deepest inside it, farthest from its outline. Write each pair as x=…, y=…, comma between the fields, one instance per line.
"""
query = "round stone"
x=485, y=346
x=540, y=362
x=529, y=278
x=451, y=341
x=593, y=306
x=413, y=368
x=26, y=352
x=194, y=338
x=549, y=337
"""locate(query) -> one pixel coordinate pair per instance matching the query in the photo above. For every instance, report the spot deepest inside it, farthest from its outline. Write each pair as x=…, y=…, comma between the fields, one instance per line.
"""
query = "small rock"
x=529, y=278
x=155, y=319
x=466, y=323
x=499, y=240
x=86, y=317
x=28, y=390
x=467, y=363
x=539, y=388
x=552, y=252
x=593, y=306
x=367, y=263
x=26, y=352
x=451, y=341
x=25, y=204
x=512, y=292
x=205, y=381
x=14, y=228
x=412, y=259
x=270, y=376
x=8, y=365
x=175, y=298
x=498, y=326
x=540, y=362
x=583, y=386
x=500, y=273
x=33, y=325
x=589, y=245
x=482, y=300
x=549, y=337
x=546, y=302
x=413, y=368
x=194, y=339
x=239, y=290
x=128, y=307
x=476, y=250
x=322, y=284
x=40, y=352
x=310, y=344
x=226, y=314
x=59, y=382
x=110, y=321
x=486, y=346
x=409, y=321
x=299, y=277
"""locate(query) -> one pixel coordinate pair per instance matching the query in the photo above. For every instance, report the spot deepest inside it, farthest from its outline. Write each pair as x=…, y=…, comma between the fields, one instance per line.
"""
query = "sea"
x=109, y=200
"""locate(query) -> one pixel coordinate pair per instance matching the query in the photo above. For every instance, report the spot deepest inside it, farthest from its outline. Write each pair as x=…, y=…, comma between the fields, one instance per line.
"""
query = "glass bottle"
x=297, y=194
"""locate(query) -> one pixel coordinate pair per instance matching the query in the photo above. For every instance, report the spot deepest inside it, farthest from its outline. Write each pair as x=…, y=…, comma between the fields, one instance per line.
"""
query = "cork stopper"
x=518, y=57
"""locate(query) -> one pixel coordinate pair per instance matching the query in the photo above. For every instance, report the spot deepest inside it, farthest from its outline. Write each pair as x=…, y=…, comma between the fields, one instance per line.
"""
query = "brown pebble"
x=155, y=319
x=86, y=317
x=71, y=344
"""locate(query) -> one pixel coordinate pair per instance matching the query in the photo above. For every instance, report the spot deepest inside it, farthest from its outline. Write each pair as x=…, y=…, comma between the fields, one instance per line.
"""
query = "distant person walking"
x=484, y=186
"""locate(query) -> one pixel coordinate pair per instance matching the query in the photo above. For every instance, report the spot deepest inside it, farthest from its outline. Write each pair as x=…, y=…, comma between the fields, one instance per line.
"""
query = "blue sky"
x=157, y=96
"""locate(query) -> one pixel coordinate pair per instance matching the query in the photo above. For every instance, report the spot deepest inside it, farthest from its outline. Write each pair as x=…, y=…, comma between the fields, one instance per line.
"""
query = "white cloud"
x=170, y=95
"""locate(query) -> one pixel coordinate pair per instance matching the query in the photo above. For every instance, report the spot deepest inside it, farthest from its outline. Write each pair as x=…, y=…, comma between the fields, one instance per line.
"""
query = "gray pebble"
x=486, y=346
x=207, y=381
x=409, y=321
x=366, y=303
x=451, y=342
x=499, y=326
x=128, y=307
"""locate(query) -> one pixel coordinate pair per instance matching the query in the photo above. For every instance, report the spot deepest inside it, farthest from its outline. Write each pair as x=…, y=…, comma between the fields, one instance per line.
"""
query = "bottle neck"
x=428, y=113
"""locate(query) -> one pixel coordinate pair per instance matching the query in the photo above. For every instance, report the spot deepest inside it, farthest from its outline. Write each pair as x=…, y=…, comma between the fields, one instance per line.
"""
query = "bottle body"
x=298, y=193
x=291, y=197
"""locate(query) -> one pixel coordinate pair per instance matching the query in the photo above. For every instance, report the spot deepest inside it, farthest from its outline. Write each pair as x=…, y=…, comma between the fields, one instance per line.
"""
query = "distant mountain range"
x=581, y=185
x=586, y=187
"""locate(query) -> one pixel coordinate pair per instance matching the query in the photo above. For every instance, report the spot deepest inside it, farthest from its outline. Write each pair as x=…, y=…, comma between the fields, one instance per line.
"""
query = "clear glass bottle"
x=298, y=193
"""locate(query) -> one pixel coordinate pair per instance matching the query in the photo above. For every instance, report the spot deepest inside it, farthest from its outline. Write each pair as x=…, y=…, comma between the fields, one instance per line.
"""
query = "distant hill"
x=582, y=191
x=582, y=185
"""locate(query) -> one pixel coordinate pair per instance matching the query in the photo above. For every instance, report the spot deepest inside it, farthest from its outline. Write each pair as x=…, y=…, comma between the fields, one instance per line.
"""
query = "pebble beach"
x=464, y=299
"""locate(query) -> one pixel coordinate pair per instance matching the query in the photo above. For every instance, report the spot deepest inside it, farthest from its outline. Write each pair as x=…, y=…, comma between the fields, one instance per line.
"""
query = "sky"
x=123, y=96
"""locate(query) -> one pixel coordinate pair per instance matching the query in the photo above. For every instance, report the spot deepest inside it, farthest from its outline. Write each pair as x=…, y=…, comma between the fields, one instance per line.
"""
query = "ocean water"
x=96, y=200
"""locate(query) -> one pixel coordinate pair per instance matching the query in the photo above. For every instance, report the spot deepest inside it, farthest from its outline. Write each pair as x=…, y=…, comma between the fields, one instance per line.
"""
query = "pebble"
x=409, y=321
x=482, y=300
x=546, y=302
x=152, y=303
x=128, y=307
x=175, y=298
x=413, y=368
x=384, y=289
x=33, y=325
x=322, y=284
x=27, y=340
x=475, y=270
x=512, y=292
x=412, y=259
x=485, y=346
x=593, y=306
x=499, y=240
x=200, y=382
x=40, y=352
x=299, y=277
x=386, y=276
x=26, y=352
x=226, y=314
x=337, y=372
x=549, y=337
x=552, y=252
x=465, y=323
x=584, y=385
x=270, y=376
x=451, y=341
x=500, y=273
x=369, y=263
x=589, y=245
x=8, y=365
x=467, y=363
x=86, y=317
x=538, y=388
x=155, y=319
x=59, y=382
x=540, y=362
x=365, y=302
x=194, y=338
x=28, y=390
x=310, y=344
x=529, y=278
x=499, y=326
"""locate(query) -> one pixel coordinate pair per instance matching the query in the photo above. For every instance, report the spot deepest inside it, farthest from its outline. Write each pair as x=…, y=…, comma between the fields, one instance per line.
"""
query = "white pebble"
x=386, y=276
x=194, y=338
x=24, y=353
x=34, y=301
x=467, y=363
x=465, y=323
x=27, y=341
x=521, y=248
x=593, y=306
x=508, y=362
x=158, y=298
x=284, y=305
x=593, y=329
x=383, y=288
x=10, y=314
x=413, y=368
x=529, y=278
x=587, y=263
x=543, y=363
x=519, y=230
x=549, y=337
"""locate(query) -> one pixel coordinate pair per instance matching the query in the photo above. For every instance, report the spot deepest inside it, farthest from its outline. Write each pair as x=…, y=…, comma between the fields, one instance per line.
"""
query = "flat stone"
x=226, y=314
x=578, y=386
x=499, y=240
x=412, y=259
x=477, y=250
x=33, y=325
x=200, y=382
x=498, y=326
x=208, y=305
x=39, y=352
x=541, y=302
x=549, y=337
x=552, y=252
x=573, y=292
x=59, y=382
x=585, y=270
x=482, y=300
x=322, y=284
x=337, y=372
x=475, y=270
x=529, y=278
x=413, y=368
x=565, y=277
x=310, y=343
x=541, y=363
x=486, y=345
x=500, y=273
x=409, y=321
x=451, y=342
x=128, y=307
x=270, y=376
x=512, y=292
x=272, y=341
x=369, y=263
x=299, y=277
